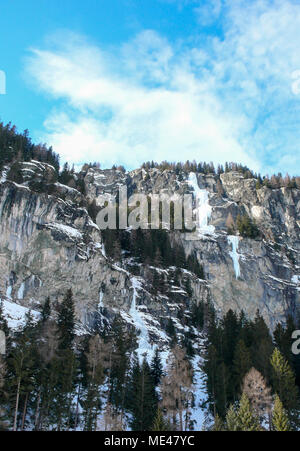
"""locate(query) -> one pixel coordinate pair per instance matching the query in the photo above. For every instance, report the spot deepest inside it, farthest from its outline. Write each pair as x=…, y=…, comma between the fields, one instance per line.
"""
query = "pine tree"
x=64, y=388
x=143, y=397
x=3, y=395
x=261, y=345
x=171, y=331
x=46, y=311
x=65, y=364
x=218, y=424
x=66, y=321
x=231, y=330
x=284, y=385
x=232, y=423
x=197, y=315
x=47, y=375
x=15, y=173
x=247, y=227
x=3, y=321
x=21, y=368
x=188, y=287
x=160, y=424
x=156, y=368
x=241, y=364
x=46, y=413
x=283, y=341
x=247, y=421
x=92, y=401
x=122, y=345
x=280, y=420
x=217, y=381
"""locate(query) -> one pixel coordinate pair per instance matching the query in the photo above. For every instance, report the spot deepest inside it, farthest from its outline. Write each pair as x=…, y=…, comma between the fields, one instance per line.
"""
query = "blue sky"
x=126, y=81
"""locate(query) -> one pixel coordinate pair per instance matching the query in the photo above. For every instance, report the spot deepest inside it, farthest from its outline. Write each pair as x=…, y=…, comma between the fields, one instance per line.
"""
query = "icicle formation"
x=100, y=304
x=144, y=346
x=234, y=241
x=203, y=209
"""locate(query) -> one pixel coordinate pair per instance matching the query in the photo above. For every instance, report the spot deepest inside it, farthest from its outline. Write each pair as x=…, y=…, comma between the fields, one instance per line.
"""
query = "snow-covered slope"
x=15, y=314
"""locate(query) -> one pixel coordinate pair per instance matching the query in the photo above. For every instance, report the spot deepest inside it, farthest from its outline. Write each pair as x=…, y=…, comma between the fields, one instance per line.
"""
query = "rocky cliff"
x=49, y=242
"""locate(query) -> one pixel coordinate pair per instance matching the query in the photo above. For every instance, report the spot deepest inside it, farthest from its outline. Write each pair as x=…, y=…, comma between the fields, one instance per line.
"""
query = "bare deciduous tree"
x=258, y=393
x=177, y=389
x=112, y=421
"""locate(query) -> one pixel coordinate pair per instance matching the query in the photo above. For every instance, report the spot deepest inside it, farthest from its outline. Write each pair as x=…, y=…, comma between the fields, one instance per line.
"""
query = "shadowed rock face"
x=48, y=243
x=2, y=343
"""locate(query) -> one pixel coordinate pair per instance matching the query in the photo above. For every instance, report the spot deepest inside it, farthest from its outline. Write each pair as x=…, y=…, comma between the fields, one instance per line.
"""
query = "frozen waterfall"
x=234, y=241
x=144, y=346
x=203, y=209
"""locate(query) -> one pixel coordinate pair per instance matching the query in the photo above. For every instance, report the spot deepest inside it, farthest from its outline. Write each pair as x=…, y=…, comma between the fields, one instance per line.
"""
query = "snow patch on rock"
x=15, y=314
x=67, y=230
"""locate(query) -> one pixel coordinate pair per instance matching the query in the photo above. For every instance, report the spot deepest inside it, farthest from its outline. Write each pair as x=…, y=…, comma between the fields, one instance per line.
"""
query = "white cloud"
x=255, y=63
x=208, y=12
x=141, y=105
x=229, y=99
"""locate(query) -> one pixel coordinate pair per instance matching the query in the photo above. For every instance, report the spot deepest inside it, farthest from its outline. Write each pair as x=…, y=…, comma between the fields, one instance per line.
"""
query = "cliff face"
x=251, y=274
x=49, y=243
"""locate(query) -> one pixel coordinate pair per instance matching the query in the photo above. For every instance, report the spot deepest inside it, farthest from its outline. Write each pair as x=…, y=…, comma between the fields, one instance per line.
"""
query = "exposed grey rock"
x=49, y=243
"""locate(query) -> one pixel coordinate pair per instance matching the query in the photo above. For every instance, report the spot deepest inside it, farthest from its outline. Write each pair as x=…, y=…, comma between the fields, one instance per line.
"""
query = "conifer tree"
x=65, y=364
x=284, y=385
x=171, y=331
x=3, y=321
x=3, y=395
x=143, y=398
x=247, y=227
x=160, y=424
x=64, y=388
x=123, y=344
x=47, y=375
x=188, y=287
x=241, y=364
x=231, y=330
x=232, y=423
x=92, y=402
x=66, y=321
x=15, y=173
x=283, y=341
x=21, y=368
x=261, y=345
x=218, y=424
x=217, y=381
x=156, y=368
x=280, y=419
x=46, y=311
x=247, y=421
